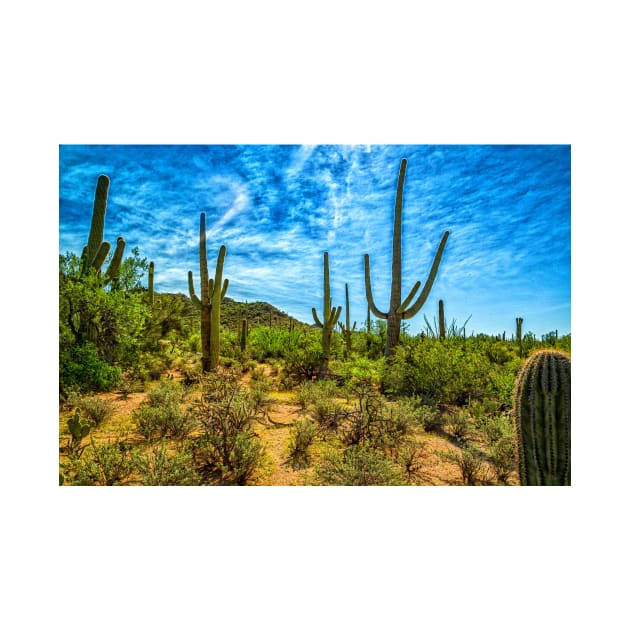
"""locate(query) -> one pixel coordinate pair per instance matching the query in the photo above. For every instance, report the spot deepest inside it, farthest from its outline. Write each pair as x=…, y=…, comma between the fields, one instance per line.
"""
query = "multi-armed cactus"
x=96, y=250
x=542, y=418
x=399, y=310
x=346, y=331
x=329, y=318
x=210, y=303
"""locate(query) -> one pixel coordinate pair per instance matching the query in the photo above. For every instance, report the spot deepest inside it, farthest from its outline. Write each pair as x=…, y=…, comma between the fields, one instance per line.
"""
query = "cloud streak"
x=277, y=208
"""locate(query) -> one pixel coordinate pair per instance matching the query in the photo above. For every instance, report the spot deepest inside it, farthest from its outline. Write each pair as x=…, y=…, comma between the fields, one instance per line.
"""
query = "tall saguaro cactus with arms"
x=328, y=320
x=210, y=302
x=398, y=309
x=96, y=250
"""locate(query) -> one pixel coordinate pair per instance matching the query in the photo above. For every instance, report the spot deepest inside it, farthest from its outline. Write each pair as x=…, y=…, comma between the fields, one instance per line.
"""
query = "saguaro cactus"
x=519, y=335
x=329, y=318
x=244, y=331
x=96, y=250
x=400, y=310
x=542, y=418
x=151, y=272
x=346, y=331
x=441, y=321
x=210, y=302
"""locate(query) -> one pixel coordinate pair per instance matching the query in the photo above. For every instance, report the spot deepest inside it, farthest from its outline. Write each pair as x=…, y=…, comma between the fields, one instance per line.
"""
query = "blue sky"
x=278, y=208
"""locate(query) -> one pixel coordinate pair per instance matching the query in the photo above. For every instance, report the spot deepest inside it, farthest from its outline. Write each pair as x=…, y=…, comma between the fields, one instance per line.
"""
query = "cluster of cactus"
x=400, y=310
x=96, y=250
x=330, y=316
x=542, y=418
x=346, y=331
x=212, y=293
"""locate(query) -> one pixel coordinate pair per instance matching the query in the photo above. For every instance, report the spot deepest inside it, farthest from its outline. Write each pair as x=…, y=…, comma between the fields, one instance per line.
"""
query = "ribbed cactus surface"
x=542, y=417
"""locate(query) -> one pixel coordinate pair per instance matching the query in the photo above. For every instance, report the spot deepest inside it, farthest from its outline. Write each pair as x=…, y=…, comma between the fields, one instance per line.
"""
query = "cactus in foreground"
x=79, y=428
x=346, y=331
x=329, y=318
x=96, y=250
x=542, y=418
x=400, y=310
x=210, y=301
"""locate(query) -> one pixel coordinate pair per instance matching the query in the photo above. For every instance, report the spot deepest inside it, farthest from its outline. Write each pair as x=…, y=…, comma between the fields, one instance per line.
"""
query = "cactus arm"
x=410, y=312
x=113, y=269
x=318, y=323
x=410, y=297
x=97, y=226
x=203, y=260
x=210, y=285
x=101, y=255
x=368, y=289
x=334, y=316
x=191, y=289
x=226, y=282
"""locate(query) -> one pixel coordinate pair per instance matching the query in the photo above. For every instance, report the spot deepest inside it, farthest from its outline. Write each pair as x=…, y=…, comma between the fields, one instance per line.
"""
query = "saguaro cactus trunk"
x=346, y=331
x=399, y=310
x=329, y=319
x=542, y=418
x=210, y=302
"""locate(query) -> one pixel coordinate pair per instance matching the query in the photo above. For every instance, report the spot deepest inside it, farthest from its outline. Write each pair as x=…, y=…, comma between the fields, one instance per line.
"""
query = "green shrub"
x=98, y=410
x=158, y=468
x=303, y=433
x=470, y=463
x=458, y=424
x=358, y=466
x=162, y=415
x=81, y=368
x=104, y=465
x=503, y=457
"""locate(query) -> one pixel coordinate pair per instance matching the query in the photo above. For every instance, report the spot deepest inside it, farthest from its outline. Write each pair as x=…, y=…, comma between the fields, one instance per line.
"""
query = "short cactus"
x=151, y=272
x=346, y=331
x=519, y=334
x=441, y=320
x=329, y=318
x=210, y=302
x=542, y=418
x=79, y=428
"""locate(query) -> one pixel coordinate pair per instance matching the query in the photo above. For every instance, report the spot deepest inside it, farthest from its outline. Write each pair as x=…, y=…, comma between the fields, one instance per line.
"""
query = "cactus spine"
x=542, y=418
x=400, y=310
x=329, y=318
x=442, y=323
x=346, y=331
x=96, y=250
x=210, y=302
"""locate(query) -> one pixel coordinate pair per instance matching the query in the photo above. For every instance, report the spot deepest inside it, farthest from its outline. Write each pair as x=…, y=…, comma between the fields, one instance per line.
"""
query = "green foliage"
x=159, y=468
x=438, y=372
x=98, y=410
x=162, y=415
x=542, y=415
x=81, y=367
x=228, y=451
x=108, y=464
x=358, y=466
x=303, y=433
x=470, y=463
x=79, y=428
